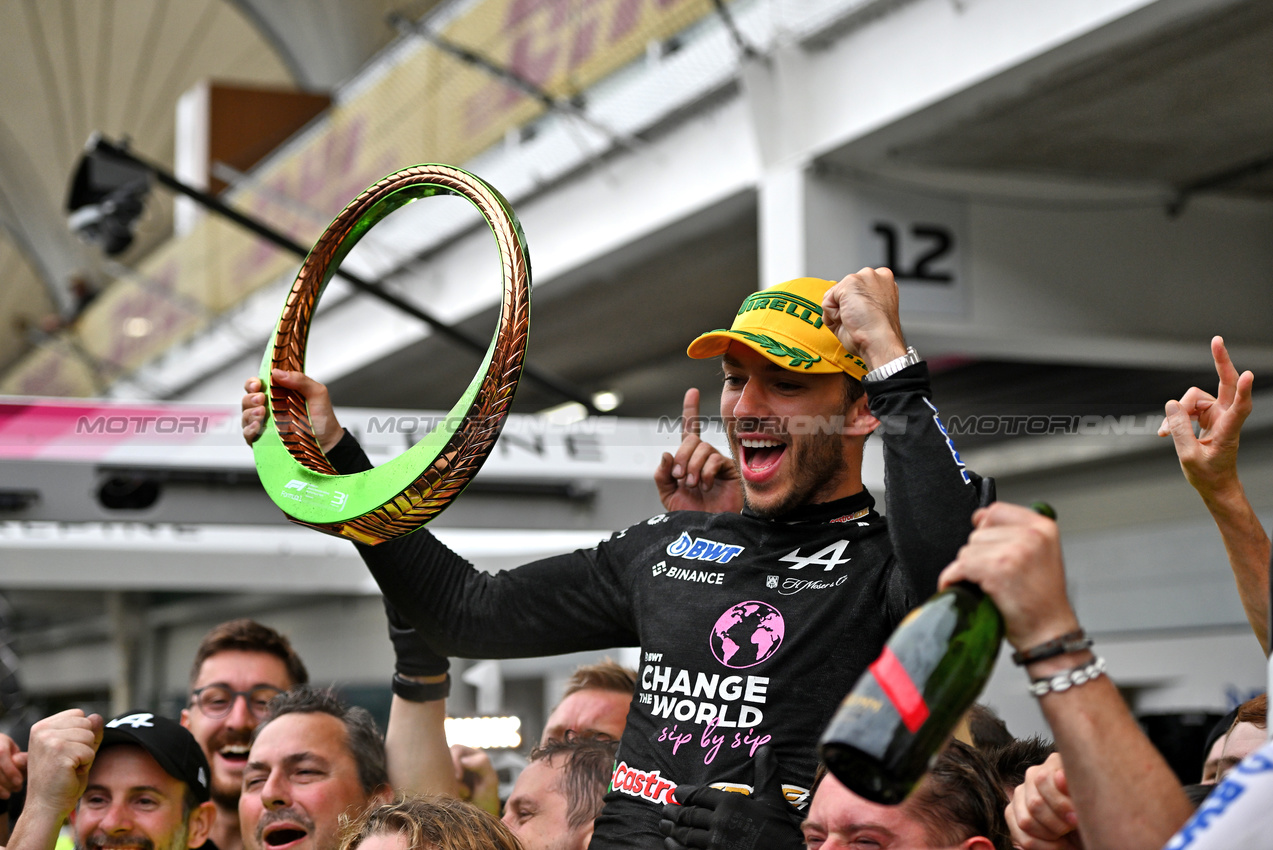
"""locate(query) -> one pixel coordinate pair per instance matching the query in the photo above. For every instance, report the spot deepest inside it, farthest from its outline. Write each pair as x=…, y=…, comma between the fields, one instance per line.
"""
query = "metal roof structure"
x=68, y=69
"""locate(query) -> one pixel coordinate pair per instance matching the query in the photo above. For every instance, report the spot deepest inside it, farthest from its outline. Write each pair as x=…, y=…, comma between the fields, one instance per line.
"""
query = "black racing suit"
x=751, y=630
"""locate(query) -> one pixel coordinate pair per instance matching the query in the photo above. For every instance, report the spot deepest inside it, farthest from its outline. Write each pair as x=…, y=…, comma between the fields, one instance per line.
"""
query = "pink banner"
x=49, y=429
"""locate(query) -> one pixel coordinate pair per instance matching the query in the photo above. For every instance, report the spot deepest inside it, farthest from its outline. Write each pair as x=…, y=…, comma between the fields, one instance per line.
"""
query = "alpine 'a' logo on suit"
x=828, y=558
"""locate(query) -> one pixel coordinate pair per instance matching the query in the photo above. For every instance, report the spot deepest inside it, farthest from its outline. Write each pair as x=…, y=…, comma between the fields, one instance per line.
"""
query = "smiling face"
x=300, y=778
x=131, y=803
x=538, y=812
x=795, y=436
x=225, y=740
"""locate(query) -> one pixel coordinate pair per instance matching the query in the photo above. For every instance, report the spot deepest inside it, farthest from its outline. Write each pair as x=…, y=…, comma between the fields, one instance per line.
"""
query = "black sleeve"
x=567, y=603
x=348, y=457
x=930, y=493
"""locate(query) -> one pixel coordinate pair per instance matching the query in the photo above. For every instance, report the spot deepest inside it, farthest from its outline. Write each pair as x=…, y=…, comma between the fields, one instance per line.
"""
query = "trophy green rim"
x=404, y=494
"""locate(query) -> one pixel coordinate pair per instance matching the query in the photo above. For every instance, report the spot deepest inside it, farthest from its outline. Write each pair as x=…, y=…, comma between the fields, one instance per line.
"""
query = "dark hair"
x=1222, y=727
x=586, y=771
x=1198, y=793
x=987, y=728
x=853, y=389
x=431, y=823
x=362, y=737
x=249, y=636
x=189, y=802
x=1010, y=762
x=606, y=676
x=818, y=775
x=961, y=798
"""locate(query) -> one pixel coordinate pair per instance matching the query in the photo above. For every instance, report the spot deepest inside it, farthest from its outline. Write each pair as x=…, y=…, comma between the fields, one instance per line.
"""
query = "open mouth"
x=125, y=842
x=236, y=754
x=283, y=835
x=760, y=455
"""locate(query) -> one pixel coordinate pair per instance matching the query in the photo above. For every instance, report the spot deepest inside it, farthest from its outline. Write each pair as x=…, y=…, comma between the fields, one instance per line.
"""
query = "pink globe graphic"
x=747, y=634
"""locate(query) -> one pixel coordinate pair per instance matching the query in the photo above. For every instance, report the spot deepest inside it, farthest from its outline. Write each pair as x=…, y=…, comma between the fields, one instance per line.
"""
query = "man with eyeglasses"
x=238, y=668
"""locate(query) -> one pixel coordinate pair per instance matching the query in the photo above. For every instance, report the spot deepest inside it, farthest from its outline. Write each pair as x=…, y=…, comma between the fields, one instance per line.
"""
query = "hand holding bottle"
x=905, y=706
x=1014, y=555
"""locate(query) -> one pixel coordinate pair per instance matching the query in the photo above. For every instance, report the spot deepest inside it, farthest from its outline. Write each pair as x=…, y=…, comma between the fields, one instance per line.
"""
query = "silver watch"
x=892, y=367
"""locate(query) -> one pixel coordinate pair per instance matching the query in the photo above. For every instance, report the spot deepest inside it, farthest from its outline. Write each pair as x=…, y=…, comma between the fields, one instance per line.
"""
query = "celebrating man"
x=238, y=668
x=752, y=625
x=314, y=762
x=139, y=781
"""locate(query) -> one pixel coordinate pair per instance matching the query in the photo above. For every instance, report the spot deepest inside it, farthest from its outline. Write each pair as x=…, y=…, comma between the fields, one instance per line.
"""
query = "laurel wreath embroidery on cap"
x=799, y=358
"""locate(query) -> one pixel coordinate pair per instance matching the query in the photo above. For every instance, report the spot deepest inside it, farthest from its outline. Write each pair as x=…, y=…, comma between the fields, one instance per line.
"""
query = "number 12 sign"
x=923, y=239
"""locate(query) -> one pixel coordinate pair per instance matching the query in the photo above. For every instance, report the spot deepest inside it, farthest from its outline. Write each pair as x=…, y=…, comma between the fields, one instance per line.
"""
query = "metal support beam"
x=105, y=148
x=126, y=612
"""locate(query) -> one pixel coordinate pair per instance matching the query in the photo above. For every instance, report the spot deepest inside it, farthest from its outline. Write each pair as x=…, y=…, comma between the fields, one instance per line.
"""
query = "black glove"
x=412, y=654
x=711, y=819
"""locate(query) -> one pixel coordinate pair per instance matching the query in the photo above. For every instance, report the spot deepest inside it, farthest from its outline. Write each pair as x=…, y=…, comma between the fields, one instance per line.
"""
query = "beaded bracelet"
x=1062, y=682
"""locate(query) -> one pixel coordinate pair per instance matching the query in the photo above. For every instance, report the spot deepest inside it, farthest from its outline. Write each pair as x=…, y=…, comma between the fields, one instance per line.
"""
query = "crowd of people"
x=793, y=583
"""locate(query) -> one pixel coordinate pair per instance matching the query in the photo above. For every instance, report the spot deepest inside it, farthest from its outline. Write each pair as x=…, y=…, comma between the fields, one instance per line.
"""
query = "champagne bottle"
x=906, y=705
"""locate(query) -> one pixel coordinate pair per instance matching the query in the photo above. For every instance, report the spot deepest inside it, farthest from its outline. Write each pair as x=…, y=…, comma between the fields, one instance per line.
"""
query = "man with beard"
x=752, y=625
x=238, y=668
x=313, y=761
x=138, y=782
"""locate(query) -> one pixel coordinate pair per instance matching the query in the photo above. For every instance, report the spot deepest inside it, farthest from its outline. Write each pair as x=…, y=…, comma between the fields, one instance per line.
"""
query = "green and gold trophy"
x=404, y=494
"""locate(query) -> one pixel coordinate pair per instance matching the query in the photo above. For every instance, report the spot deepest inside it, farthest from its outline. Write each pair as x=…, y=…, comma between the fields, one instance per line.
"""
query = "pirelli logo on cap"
x=784, y=302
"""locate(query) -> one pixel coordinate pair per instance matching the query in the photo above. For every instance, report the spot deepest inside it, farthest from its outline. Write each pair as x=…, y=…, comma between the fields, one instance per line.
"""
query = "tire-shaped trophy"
x=404, y=494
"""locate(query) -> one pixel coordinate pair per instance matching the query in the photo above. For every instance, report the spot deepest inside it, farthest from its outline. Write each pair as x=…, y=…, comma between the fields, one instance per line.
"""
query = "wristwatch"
x=892, y=367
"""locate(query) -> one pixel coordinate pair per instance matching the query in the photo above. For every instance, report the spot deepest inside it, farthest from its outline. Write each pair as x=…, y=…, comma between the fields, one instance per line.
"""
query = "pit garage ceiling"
x=71, y=67
x=1187, y=107
x=621, y=326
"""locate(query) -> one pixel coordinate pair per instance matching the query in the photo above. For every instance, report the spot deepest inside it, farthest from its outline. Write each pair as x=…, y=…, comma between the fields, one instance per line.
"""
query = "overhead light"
x=137, y=326
x=565, y=414
x=607, y=400
x=106, y=198
x=484, y=733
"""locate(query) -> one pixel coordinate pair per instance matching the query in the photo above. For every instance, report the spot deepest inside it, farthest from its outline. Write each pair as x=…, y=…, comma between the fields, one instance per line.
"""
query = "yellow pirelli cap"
x=784, y=324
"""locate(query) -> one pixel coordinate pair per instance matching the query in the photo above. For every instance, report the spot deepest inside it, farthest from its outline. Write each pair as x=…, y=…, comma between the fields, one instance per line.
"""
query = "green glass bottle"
x=906, y=705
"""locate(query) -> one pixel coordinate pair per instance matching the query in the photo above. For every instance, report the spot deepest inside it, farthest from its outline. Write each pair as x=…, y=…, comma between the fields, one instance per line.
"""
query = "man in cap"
x=140, y=781
x=752, y=625
x=239, y=666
